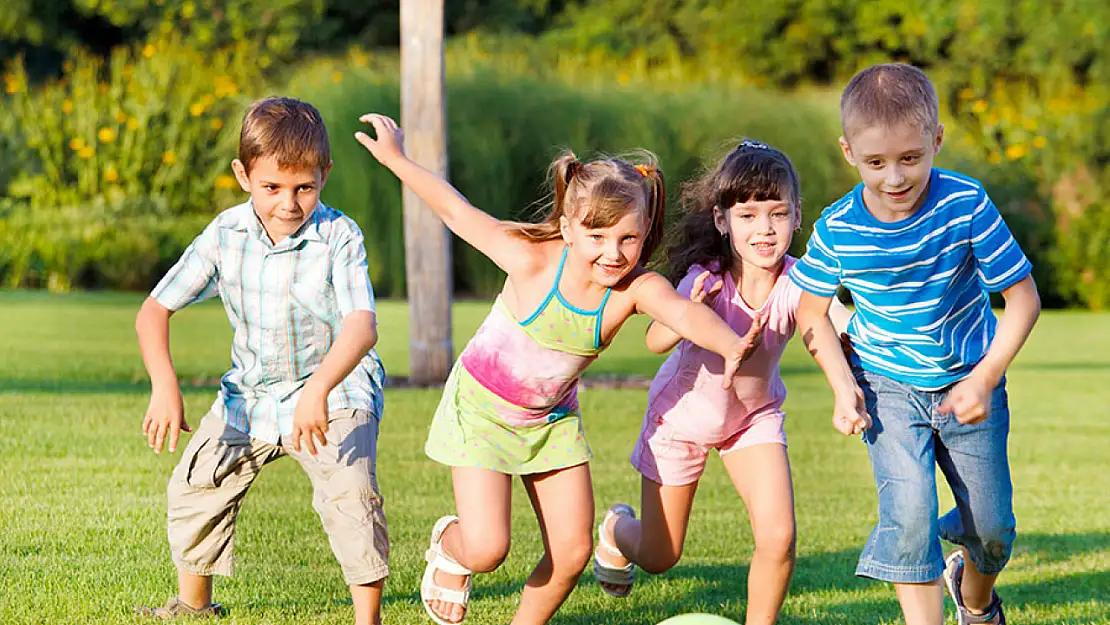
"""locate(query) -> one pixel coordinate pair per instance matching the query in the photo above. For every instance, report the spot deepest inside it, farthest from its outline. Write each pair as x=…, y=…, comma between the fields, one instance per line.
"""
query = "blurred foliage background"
x=119, y=117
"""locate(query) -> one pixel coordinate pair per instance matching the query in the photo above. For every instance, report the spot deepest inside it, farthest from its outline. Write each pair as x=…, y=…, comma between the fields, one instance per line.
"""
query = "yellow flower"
x=148, y=50
x=12, y=84
x=121, y=117
x=76, y=143
x=967, y=93
x=1039, y=141
x=1014, y=152
x=169, y=157
x=623, y=78
x=337, y=77
x=67, y=106
x=132, y=123
x=979, y=107
x=216, y=123
x=196, y=109
x=102, y=88
x=188, y=10
x=1029, y=124
x=225, y=182
x=110, y=175
x=86, y=152
x=994, y=158
x=67, y=66
x=106, y=135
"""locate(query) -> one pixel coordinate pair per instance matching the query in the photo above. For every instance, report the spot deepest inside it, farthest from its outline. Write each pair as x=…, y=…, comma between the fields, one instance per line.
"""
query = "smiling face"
x=895, y=164
x=283, y=199
x=609, y=253
x=759, y=232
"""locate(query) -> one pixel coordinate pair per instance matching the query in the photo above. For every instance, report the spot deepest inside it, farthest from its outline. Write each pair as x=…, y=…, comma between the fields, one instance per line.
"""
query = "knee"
x=485, y=558
x=776, y=542
x=570, y=557
x=659, y=561
x=484, y=554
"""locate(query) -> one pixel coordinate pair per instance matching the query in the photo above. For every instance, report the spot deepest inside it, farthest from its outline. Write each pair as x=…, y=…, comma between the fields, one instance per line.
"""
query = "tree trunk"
x=427, y=242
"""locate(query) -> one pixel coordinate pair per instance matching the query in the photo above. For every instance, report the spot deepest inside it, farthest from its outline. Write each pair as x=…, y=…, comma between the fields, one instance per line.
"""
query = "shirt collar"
x=248, y=221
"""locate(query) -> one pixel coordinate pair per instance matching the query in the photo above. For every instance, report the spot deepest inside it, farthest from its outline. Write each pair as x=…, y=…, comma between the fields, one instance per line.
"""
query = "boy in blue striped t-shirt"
x=920, y=249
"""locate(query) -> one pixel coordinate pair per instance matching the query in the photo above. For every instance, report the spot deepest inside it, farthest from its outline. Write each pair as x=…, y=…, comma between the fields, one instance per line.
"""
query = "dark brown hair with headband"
x=752, y=172
x=599, y=193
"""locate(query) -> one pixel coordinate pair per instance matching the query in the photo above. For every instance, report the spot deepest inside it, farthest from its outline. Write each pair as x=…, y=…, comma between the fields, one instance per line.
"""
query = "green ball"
x=698, y=619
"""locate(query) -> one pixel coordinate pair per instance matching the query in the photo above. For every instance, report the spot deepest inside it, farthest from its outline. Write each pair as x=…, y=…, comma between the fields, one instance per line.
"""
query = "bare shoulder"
x=531, y=259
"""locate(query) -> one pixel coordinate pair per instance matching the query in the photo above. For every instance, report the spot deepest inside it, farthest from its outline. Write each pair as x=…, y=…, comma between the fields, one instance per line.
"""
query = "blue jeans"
x=907, y=439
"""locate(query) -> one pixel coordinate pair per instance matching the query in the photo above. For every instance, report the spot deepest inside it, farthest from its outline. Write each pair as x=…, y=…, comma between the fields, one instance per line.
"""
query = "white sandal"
x=607, y=573
x=440, y=561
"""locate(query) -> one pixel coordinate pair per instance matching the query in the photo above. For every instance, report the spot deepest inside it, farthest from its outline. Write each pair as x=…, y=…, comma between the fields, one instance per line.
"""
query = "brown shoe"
x=175, y=608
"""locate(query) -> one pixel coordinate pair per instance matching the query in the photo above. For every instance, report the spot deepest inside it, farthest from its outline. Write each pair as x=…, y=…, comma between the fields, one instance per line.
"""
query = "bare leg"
x=194, y=591
x=761, y=474
x=367, y=601
x=922, y=604
x=480, y=540
x=975, y=587
x=654, y=541
x=564, y=505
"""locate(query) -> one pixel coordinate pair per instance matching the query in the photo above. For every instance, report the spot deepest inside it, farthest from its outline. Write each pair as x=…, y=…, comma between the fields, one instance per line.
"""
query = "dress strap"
x=550, y=294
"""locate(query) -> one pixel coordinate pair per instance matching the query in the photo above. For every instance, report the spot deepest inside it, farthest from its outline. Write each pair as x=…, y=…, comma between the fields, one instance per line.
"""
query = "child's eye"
x=910, y=160
x=874, y=163
x=596, y=237
x=305, y=189
x=780, y=214
x=269, y=187
x=745, y=216
x=628, y=238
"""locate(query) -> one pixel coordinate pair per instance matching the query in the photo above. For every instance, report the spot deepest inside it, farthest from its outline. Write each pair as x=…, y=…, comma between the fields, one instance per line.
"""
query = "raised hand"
x=697, y=291
x=389, y=141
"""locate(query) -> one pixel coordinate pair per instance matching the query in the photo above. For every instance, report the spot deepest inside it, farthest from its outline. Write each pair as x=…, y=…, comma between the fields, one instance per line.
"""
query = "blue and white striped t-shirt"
x=920, y=285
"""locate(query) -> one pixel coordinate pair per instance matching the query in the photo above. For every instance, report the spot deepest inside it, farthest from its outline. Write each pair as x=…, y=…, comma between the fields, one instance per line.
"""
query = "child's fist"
x=850, y=414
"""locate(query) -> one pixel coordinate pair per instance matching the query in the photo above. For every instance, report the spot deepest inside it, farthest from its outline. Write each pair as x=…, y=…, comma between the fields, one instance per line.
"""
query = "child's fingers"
x=186, y=427
x=175, y=432
x=731, y=367
x=716, y=288
x=160, y=439
x=146, y=423
x=151, y=433
x=309, y=442
x=296, y=434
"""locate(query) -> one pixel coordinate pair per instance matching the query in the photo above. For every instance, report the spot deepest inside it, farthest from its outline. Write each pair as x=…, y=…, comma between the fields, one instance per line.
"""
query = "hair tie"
x=755, y=145
x=645, y=170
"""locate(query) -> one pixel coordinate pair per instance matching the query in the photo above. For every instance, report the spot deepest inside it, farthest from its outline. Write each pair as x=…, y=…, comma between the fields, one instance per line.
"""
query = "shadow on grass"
x=721, y=589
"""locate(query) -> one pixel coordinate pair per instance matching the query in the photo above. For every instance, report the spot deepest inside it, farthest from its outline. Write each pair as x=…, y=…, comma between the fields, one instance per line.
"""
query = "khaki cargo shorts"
x=219, y=465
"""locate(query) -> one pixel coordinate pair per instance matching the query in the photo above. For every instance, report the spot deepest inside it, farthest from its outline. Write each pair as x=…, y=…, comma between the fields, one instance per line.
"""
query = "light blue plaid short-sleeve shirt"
x=286, y=303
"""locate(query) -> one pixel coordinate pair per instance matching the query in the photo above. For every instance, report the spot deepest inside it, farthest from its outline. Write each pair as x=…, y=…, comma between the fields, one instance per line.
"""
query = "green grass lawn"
x=82, y=501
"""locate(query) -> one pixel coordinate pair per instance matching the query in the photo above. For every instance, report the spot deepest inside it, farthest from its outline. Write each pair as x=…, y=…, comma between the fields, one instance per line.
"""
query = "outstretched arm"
x=481, y=230
x=659, y=338
x=820, y=338
x=654, y=296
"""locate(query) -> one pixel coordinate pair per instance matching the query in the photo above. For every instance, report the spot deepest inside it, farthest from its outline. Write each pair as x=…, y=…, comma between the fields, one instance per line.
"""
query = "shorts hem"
x=367, y=576
x=899, y=574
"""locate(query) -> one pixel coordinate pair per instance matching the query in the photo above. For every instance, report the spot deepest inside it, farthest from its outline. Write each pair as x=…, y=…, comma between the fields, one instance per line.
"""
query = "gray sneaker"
x=953, y=577
x=175, y=608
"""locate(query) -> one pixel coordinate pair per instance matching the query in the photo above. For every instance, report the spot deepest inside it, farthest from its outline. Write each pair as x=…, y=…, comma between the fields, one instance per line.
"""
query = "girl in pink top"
x=730, y=253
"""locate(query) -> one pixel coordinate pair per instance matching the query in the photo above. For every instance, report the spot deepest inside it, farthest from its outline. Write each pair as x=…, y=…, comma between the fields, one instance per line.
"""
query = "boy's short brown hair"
x=888, y=95
x=287, y=129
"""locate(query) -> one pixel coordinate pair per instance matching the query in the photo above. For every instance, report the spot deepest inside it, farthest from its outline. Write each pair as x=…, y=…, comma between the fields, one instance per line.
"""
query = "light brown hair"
x=289, y=130
x=599, y=193
x=889, y=94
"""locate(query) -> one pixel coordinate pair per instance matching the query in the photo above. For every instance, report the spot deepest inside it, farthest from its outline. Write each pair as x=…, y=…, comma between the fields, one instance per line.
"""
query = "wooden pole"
x=427, y=241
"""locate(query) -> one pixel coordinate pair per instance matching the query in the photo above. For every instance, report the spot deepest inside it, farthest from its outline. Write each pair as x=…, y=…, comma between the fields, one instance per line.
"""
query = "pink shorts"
x=667, y=456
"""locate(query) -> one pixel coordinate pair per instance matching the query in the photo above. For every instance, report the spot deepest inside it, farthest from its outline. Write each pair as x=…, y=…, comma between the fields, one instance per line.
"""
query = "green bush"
x=141, y=140
x=504, y=129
